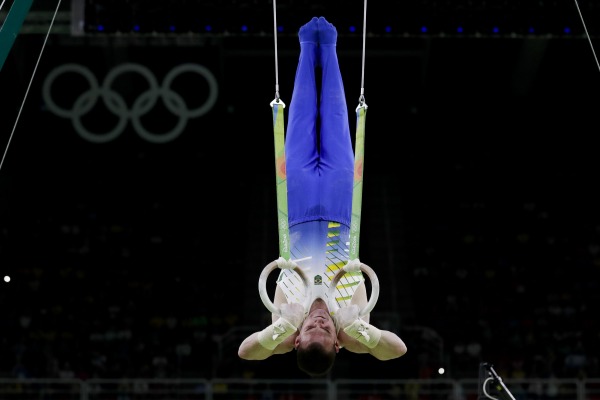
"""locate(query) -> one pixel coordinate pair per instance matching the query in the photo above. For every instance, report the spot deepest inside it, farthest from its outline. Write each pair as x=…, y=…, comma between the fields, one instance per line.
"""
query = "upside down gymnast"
x=320, y=172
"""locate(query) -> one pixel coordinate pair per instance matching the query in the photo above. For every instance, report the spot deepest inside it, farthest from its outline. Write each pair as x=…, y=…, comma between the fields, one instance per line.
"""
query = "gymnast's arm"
x=251, y=349
x=390, y=345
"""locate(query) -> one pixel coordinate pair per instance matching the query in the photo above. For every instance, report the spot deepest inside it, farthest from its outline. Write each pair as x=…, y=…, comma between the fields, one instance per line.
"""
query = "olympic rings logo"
x=142, y=105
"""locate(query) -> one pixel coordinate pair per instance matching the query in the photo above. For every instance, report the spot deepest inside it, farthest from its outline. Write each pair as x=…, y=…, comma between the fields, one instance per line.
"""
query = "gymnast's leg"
x=301, y=138
x=337, y=156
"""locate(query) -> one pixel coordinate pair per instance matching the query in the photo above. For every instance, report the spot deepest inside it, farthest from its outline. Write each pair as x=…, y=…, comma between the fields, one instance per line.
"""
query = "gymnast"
x=320, y=172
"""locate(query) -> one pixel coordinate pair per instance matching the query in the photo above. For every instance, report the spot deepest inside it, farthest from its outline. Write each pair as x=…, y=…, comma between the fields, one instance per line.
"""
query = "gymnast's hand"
x=293, y=312
x=345, y=316
x=292, y=315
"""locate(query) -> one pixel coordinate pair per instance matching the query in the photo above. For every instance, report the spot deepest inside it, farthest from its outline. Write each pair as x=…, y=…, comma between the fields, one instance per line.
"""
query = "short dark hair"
x=315, y=359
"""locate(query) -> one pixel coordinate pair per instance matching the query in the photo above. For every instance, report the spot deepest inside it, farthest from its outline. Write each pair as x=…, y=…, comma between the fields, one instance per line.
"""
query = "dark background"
x=480, y=201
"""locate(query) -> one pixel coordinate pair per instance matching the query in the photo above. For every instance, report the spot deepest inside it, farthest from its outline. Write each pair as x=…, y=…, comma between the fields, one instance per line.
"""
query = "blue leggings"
x=319, y=166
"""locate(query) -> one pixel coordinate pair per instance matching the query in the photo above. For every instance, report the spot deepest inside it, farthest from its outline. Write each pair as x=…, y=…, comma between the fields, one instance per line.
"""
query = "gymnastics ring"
x=333, y=307
x=262, y=287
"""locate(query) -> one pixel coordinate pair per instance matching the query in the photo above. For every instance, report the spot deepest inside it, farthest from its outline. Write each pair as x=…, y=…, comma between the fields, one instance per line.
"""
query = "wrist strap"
x=275, y=333
x=365, y=333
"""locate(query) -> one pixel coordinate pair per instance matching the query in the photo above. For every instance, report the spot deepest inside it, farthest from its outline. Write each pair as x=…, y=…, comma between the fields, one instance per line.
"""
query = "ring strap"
x=281, y=179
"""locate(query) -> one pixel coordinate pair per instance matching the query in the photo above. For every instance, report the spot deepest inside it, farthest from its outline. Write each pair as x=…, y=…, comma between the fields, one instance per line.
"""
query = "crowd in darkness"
x=96, y=305
x=513, y=271
x=535, y=317
x=512, y=281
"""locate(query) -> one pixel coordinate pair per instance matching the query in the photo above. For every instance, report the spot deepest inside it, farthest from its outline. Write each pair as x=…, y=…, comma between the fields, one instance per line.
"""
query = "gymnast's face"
x=318, y=327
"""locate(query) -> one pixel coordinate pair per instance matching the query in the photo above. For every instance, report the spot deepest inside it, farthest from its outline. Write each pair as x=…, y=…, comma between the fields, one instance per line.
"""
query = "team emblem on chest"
x=318, y=280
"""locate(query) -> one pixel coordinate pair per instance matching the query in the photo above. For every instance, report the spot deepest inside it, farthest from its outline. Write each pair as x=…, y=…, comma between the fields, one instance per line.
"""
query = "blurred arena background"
x=134, y=236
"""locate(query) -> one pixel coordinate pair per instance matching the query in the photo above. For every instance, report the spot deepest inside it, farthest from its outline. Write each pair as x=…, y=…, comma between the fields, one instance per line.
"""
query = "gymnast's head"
x=316, y=343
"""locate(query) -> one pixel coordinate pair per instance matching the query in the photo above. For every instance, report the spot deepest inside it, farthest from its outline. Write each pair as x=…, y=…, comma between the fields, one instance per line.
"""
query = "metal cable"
x=362, y=80
x=276, y=65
